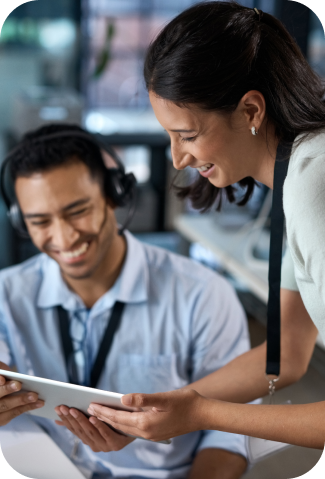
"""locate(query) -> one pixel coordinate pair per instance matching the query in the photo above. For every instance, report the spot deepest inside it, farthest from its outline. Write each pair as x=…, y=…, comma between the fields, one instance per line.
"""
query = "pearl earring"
x=254, y=131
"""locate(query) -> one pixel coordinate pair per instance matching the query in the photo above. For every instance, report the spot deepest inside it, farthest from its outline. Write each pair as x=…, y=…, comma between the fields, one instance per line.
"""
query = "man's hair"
x=213, y=53
x=38, y=156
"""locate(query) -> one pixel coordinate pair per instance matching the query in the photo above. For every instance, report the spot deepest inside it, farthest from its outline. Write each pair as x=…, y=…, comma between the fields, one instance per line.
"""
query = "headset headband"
x=98, y=141
x=123, y=184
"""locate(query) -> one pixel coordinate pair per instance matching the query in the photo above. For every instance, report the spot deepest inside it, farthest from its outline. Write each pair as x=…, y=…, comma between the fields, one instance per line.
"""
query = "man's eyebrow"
x=65, y=208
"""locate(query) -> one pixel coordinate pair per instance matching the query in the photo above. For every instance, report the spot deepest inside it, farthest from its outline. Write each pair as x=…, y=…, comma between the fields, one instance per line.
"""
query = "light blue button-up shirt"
x=181, y=322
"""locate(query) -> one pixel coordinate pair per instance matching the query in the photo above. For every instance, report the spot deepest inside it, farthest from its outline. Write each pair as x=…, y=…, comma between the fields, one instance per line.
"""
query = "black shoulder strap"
x=277, y=226
x=67, y=345
x=104, y=348
x=106, y=343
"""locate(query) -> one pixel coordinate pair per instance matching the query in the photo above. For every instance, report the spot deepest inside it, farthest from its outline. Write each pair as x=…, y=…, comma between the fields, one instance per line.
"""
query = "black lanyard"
x=104, y=348
x=276, y=240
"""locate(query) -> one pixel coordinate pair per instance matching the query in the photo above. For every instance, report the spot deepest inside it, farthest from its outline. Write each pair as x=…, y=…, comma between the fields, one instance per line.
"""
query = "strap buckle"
x=271, y=379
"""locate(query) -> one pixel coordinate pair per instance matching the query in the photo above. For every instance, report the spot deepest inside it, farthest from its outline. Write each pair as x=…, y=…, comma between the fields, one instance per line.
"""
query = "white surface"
x=56, y=393
x=109, y=120
x=228, y=247
x=32, y=453
x=259, y=449
x=231, y=249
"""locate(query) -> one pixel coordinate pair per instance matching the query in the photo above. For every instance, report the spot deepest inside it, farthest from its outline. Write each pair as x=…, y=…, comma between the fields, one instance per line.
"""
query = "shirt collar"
x=130, y=287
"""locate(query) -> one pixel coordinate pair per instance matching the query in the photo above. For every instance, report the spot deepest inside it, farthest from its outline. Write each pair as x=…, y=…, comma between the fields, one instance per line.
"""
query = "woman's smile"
x=206, y=170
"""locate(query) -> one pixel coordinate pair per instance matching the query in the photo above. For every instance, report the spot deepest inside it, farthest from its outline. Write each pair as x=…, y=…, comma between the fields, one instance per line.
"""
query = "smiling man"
x=179, y=321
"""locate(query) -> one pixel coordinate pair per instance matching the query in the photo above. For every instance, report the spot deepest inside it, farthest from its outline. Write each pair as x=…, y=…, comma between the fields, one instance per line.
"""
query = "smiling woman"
x=211, y=55
x=230, y=85
x=216, y=144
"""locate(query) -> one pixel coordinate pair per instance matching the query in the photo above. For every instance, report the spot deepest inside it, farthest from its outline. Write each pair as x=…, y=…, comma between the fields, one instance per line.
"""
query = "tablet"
x=57, y=393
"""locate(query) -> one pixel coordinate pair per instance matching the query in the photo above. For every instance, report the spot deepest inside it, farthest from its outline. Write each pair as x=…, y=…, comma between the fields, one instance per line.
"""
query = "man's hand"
x=92, y=432
x=12, y=405
x=217, y=464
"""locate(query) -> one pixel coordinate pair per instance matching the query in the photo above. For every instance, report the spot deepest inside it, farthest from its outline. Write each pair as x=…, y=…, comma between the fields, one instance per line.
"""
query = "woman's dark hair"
x=212, y=54
x=34, y=155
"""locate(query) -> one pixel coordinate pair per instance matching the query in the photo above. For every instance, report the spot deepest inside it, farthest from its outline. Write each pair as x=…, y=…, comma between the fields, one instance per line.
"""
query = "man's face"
x=68, y=218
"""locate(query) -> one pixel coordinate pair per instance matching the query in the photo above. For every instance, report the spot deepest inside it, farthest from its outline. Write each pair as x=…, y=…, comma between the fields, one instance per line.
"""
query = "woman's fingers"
x=166, y=415
x=112, y=416
x=158, y=400
x=133, y=423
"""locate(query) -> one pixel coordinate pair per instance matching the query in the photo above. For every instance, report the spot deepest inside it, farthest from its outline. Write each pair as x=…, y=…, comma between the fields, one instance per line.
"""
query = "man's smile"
x=74, y=255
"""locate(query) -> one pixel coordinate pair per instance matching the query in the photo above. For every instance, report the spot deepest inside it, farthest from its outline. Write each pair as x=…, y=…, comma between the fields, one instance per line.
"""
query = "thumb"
x=144, y=400
x=4, y=366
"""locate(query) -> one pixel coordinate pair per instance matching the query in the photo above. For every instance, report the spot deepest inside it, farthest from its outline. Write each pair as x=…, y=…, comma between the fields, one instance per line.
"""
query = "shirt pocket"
x=138, y=373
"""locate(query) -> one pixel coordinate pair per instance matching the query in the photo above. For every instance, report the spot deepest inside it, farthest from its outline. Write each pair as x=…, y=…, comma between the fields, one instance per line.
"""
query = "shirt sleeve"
x=288, y=279
x=219, y=334
x=5, y=355
x=305, y=217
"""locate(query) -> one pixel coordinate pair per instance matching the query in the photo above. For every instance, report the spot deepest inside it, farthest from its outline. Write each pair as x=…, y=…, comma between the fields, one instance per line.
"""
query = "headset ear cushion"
x=119, y=187
x=16, y=219
x=130, y=183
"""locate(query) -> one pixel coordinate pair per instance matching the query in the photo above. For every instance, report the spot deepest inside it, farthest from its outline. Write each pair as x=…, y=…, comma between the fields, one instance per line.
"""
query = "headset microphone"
x=119, y=186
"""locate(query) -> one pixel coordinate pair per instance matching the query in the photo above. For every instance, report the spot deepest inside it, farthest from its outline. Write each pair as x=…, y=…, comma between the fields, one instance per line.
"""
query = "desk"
x=32, y=453
x=229, y=247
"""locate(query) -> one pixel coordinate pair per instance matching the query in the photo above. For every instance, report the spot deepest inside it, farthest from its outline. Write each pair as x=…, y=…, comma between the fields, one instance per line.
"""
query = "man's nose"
x=63, y=234
x=181, y=158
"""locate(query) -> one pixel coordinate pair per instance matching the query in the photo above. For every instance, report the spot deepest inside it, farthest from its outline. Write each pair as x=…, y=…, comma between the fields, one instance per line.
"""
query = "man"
x=180, y=320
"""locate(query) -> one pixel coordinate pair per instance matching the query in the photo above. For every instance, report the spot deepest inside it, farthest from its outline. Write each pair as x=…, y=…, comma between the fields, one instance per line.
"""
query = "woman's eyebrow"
x=183, y=131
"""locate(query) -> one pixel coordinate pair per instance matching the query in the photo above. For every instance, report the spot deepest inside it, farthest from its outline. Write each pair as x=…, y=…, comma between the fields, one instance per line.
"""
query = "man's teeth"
x=77, y=252
x=205, y=167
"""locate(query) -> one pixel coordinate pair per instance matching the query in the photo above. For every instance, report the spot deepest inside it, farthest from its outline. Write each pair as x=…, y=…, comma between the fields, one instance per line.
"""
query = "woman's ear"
x=254, y=108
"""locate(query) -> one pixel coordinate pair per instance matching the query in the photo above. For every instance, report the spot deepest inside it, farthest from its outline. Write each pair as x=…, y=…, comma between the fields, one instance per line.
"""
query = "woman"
x=230, y=85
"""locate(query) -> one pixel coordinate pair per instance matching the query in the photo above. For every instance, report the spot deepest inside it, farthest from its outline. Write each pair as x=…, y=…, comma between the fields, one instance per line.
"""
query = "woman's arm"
x=179, y=412
x=243, y=379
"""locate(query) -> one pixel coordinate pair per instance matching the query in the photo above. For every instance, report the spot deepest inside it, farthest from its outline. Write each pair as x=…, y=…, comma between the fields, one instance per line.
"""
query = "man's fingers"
x=78, y=424
x=103, y=429
x=17, y=411
x=69, y=421
x=4, y=366
x=84, y=424
x=113, y=439
x=13, y=401
x=9, y=387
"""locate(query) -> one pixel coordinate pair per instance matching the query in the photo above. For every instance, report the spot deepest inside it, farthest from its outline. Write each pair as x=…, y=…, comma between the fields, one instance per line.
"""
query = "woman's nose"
x=181, y=158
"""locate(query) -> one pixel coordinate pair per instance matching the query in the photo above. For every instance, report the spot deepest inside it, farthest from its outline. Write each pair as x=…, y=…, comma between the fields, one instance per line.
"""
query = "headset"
x=119, y=186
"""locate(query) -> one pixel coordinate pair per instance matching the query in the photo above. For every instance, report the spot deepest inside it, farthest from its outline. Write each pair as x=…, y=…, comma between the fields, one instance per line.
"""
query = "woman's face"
x=220, y=146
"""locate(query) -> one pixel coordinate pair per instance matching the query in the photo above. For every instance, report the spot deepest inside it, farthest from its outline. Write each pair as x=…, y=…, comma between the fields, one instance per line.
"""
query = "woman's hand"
x=92, y=432
x=165, y=415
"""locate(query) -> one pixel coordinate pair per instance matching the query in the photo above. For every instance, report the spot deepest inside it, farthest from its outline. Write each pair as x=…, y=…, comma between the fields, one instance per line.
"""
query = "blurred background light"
x=57, y=35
